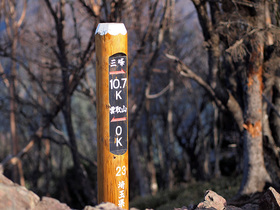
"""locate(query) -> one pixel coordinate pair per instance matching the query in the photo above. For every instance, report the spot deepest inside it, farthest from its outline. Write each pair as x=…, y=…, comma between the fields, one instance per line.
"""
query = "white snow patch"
x=110, y=28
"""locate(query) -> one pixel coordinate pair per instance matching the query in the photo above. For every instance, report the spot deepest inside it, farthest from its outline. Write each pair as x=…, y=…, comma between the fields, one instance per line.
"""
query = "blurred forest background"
x=204, y=93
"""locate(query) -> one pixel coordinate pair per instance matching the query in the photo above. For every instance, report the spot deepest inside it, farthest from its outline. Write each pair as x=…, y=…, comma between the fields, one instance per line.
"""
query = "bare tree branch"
x=20, y=21
x=88, y=8
x=271, y=105
x=230, y=104
x=154, y=96
x=186, y=72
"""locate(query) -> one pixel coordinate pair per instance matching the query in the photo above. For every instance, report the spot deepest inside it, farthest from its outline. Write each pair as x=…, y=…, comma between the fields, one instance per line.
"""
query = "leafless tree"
x=201, y=74
x=235, y=33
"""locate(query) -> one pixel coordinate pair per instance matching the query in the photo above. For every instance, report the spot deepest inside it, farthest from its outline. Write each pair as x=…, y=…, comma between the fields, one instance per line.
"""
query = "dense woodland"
x=204, y=93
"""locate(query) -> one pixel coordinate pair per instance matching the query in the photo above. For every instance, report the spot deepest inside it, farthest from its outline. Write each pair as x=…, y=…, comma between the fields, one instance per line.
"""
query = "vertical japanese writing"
x=118, y=104
x=118, y=119
x=121, y=171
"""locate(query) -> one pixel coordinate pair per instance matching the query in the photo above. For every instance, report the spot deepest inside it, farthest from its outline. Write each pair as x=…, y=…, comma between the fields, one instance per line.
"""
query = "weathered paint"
x=255, y=129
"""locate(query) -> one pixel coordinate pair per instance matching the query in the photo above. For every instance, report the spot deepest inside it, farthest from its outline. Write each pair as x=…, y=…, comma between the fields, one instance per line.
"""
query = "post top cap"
x=110, y=28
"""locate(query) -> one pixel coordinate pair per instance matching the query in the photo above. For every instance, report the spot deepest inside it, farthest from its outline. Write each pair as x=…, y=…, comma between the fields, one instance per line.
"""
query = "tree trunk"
x=138, y=173
x=275, y=119
x=150, y=149
x=170, y=145
x=13, y=112
x=84, y=190
x=202, y=150
x=12, y=29
x=217, y=145
x=170, y=99
x=255, y=174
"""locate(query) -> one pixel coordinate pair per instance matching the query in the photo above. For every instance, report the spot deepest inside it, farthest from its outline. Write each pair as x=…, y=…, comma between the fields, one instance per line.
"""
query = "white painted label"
x=110, y=28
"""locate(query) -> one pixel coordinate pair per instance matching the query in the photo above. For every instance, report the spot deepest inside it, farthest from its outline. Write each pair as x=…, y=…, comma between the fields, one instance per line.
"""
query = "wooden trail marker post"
x=112, y=116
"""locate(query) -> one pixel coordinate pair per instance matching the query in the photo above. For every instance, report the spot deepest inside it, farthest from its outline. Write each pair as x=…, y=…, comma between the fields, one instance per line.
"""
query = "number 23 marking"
x=120, y=171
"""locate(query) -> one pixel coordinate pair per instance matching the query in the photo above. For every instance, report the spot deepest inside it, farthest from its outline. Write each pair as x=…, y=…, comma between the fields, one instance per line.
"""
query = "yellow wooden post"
x=112, y=116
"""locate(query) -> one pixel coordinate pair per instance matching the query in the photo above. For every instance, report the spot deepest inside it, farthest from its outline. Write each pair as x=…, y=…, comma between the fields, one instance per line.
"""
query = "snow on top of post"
x=110, y=28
